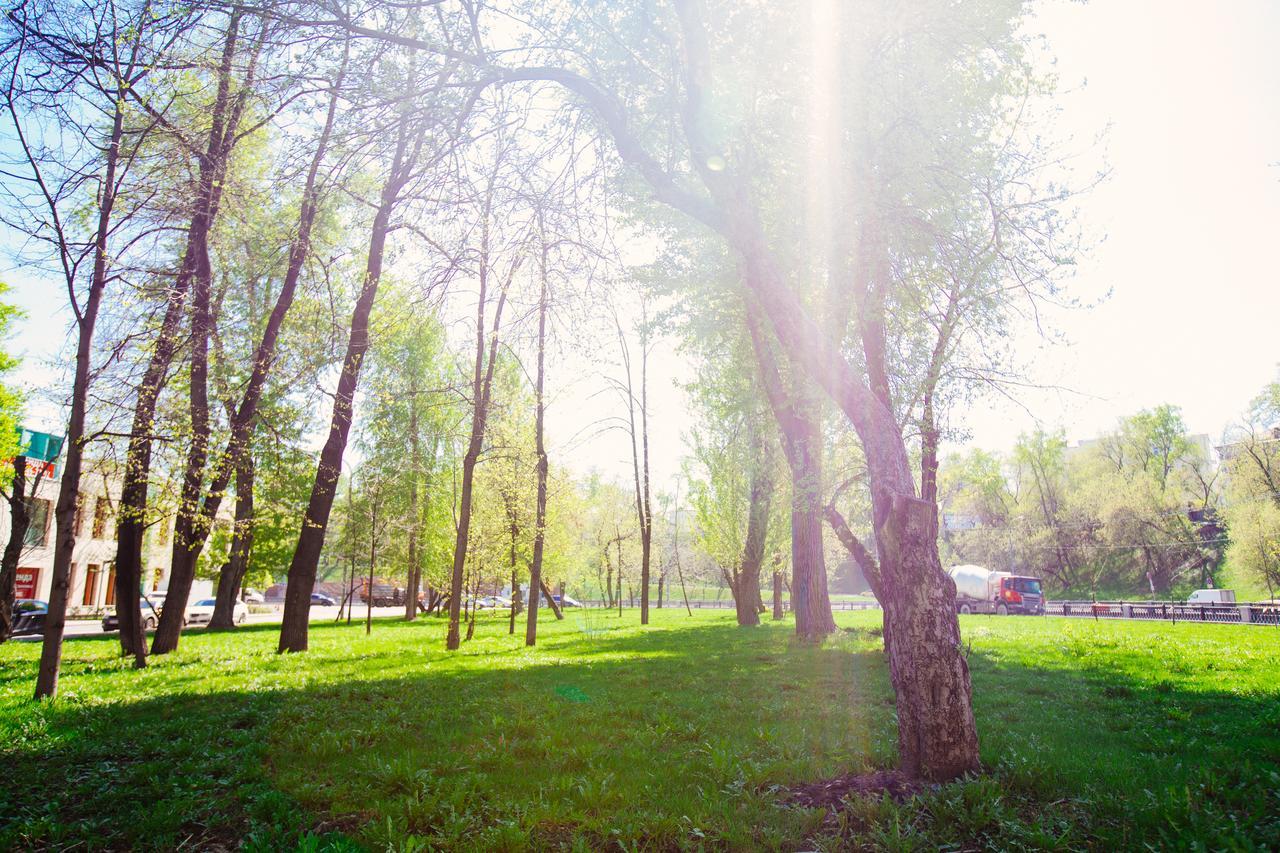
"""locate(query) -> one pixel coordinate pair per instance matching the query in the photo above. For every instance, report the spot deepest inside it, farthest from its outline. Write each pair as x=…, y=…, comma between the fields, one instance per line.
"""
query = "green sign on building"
x=41, y=446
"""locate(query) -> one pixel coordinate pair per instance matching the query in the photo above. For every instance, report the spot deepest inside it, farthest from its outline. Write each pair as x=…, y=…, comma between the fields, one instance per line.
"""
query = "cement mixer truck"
x=980, y=590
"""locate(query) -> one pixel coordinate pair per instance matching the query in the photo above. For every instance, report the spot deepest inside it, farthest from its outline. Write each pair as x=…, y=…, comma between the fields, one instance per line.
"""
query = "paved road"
x=93, y=627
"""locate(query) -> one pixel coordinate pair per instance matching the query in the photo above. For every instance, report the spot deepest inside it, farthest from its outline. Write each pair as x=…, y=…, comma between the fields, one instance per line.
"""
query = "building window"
x=91, y=584
x=111, y=586
x=38, y=528
x=99, y=518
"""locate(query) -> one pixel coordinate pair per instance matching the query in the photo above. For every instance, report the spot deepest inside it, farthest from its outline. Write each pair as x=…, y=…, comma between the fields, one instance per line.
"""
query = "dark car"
x=150, y=618
x=319, y=598
x=28, y=616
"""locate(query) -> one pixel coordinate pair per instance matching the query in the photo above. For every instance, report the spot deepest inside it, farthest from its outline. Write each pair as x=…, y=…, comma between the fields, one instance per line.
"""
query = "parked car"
x=252, y=596
x=28, y=616
x=202, y=611
x=1212, y=596
x=319, y=599
x=566, y=601
x=492, y=602
x=150, y=618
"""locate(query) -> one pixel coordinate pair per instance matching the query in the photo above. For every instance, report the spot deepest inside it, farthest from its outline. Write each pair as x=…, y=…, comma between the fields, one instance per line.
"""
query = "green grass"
x=683, y=735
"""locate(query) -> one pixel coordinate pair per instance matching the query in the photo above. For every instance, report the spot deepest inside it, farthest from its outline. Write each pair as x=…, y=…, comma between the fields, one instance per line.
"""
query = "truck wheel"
x=150, y=624
x=1003, y=610
x=966, y=609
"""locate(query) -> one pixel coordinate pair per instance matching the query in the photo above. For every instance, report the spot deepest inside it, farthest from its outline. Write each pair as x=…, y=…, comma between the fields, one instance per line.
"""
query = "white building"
x=93, y=575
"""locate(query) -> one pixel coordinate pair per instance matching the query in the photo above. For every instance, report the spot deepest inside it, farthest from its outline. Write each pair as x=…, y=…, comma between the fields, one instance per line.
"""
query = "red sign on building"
x=25, y=584
x=44, y=470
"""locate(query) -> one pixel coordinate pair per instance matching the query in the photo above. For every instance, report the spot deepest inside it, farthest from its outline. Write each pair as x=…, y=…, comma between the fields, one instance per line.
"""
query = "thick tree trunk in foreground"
x=19, y=521
x=231, y=578
x=306, y=557
x=937, y=736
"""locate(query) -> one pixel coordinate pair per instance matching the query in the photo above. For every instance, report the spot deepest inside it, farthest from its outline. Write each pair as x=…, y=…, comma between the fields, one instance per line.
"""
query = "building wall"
x=92, y=573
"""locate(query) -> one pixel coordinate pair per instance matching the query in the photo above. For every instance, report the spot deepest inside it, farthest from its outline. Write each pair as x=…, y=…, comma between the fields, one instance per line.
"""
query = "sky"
x=1182, y=283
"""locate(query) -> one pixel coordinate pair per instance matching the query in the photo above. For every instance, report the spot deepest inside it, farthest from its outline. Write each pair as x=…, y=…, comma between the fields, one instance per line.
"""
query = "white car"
x=202, y=611
x=252, y=596
x=492, y=602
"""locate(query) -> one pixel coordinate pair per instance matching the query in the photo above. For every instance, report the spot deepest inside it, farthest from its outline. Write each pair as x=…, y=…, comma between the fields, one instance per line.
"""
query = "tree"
x=197, y=511
x=56, y=76
x=204, y=201
x=412, y=125
x=1251, y=457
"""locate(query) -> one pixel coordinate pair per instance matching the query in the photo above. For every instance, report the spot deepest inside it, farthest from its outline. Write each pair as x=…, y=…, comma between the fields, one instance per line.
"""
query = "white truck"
x=1212, y=596
x=981, y=590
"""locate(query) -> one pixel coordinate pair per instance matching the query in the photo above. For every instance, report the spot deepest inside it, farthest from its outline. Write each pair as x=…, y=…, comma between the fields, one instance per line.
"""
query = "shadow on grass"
x=660, y=739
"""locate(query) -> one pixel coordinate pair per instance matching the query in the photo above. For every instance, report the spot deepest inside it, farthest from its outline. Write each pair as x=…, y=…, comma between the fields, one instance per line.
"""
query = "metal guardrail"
x=1244, y=613
x=727, y=604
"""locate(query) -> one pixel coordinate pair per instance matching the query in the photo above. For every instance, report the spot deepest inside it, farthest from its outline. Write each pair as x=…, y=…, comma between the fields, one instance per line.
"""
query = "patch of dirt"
x=831, y=793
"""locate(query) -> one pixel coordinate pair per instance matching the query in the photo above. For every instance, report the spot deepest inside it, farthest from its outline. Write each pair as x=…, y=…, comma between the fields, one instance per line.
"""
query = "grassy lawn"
x=683, y=735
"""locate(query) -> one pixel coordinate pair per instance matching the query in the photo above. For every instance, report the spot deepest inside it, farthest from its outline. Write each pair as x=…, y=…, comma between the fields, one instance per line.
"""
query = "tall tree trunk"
x=746, y=589
x=415, y=463
x=231, y=578
x=131, y=516
x=306, y=557
x=608, y=580
x=187, y=539
x=640, y=463
x=798, y=423
x=19, y=521
x=481, y=387
x=238, y=454
x=373, y=560
x=69, y=490
x=540, y=449
x=196, y=515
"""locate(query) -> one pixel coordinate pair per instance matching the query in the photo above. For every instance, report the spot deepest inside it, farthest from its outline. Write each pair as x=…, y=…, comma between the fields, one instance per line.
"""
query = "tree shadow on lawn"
x=663, y=739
